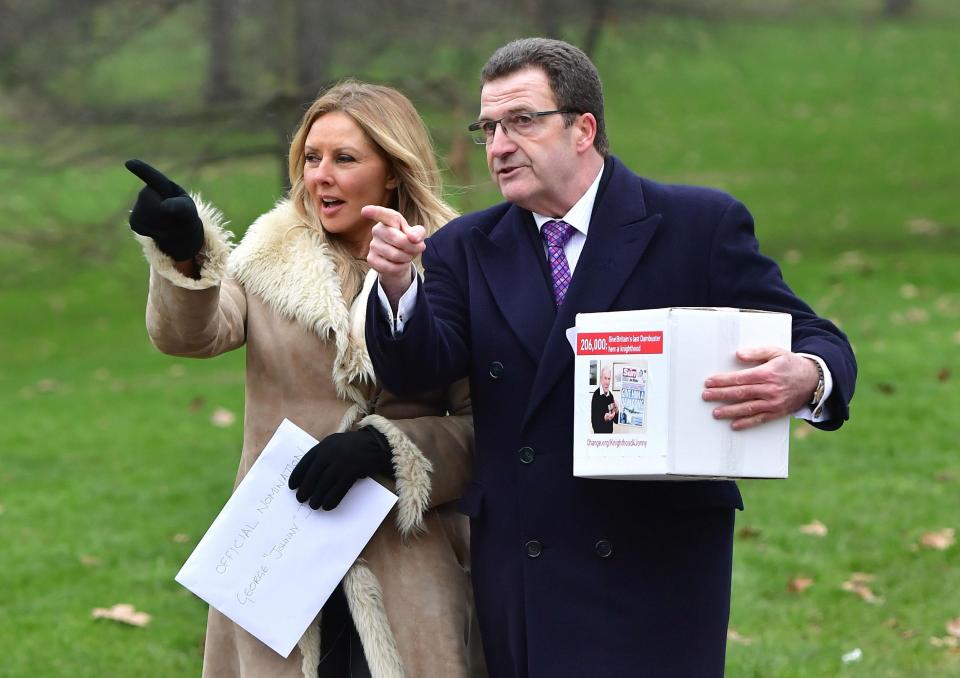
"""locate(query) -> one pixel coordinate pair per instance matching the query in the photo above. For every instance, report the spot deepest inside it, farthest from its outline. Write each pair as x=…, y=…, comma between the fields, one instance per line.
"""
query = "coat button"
x=604, y=548
x=526, y=455
x=534, y=548
x=496, y=369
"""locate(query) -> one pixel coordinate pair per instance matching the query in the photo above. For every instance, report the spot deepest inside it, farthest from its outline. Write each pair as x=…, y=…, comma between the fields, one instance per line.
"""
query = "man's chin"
x=512, y=191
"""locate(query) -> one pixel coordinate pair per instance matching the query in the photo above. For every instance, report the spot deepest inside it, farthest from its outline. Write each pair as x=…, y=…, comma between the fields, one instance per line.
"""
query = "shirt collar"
x=579, y=214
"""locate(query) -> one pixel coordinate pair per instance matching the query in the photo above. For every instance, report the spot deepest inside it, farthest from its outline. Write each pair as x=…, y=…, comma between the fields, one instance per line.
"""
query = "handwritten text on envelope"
x=269, y=563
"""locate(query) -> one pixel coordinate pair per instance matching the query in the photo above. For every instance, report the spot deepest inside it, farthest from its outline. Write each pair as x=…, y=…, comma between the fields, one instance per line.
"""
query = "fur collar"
x=292, y=270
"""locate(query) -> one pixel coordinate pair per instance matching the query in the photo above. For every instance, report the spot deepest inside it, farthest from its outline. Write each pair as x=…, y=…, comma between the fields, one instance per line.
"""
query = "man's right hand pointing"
x=394, y=246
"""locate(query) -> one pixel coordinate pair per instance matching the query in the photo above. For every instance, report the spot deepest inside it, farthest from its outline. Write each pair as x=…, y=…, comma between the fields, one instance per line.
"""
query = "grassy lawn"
x=840, y=136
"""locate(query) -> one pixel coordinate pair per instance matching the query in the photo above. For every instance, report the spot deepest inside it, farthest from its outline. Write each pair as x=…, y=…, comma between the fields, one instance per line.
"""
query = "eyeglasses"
x=522, y=124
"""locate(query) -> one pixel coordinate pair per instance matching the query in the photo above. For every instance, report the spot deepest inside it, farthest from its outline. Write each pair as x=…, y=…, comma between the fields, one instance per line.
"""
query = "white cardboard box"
x=663, y=429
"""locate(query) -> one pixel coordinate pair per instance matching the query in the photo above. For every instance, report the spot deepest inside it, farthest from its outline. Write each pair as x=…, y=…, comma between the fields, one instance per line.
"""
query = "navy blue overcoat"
x=579, y=577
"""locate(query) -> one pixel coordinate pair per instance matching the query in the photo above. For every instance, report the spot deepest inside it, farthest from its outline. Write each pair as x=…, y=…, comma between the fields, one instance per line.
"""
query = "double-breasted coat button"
x=496, y=369
x=604, y=548
x=533, y=548
x=526, y=455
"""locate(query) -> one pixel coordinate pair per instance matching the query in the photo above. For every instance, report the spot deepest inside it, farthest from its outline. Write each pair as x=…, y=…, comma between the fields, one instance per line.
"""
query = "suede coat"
x=278, y=294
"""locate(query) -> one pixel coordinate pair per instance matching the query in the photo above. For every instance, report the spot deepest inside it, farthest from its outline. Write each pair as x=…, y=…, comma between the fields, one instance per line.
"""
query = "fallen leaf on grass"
x=57, y=303
x=799, y=584
x=814, y=529
x=222, y=417
x=946, y=641
x=181, y=538
x=885, y=388
x=792, y=256
x=944, y=477
x=858, y=584
x=917, y=315
x=196, y=404
x=947, y=305
x=89, y=561
x=923, y=226
x=854, y=655
x=943, y=374
x=124, y=613
x=854, y=262
x=802, y=431
x=908, y=634
x=909, y=291
x=939, y=540
x=177, y=371
x=953, y=627
x=734, y=637
x=748, y=532
x=48, y=385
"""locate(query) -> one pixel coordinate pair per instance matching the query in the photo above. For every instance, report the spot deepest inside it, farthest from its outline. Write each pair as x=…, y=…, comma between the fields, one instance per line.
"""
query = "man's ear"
x=585, y=127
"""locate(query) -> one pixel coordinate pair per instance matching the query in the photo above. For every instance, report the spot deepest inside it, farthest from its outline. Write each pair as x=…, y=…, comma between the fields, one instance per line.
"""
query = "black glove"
x=331, y=467
x=166, y=213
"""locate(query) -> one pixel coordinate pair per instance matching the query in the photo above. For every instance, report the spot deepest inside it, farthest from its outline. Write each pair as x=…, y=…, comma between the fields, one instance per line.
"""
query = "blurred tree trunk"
x=896, y=8
x=316, y=25
x=598, y=15
x=546, y=17
x=304, y=30
x=221, y=17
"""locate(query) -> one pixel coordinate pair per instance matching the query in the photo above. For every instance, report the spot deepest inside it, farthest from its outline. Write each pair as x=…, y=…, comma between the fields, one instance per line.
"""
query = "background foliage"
x=835, y=122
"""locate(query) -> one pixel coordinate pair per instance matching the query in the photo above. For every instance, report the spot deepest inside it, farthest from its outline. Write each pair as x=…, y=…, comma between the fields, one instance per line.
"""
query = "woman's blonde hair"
x=392, y=123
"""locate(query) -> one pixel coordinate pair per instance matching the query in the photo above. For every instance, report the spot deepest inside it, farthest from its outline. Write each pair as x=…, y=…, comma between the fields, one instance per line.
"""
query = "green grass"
x=839, y=135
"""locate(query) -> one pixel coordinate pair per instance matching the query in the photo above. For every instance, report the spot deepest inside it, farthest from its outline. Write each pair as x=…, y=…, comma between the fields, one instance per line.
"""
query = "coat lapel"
x=620, y=230
x=513, y=273
x=291, y=269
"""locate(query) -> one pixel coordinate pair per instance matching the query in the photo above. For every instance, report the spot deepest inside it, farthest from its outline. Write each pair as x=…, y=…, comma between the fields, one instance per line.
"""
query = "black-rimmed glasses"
x=522, y=124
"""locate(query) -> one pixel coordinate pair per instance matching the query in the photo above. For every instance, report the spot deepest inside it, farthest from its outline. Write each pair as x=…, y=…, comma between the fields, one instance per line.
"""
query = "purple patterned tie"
x=557, y=233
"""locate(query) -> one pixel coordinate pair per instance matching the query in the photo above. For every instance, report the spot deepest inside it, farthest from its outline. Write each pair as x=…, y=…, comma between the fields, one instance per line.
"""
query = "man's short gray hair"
x=572, y=77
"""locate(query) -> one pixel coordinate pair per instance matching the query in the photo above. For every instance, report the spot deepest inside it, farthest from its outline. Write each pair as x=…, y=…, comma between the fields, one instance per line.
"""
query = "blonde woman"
x=293, y=293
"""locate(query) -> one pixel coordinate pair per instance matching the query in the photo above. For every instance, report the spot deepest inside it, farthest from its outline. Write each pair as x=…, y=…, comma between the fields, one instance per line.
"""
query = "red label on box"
x=619, y=343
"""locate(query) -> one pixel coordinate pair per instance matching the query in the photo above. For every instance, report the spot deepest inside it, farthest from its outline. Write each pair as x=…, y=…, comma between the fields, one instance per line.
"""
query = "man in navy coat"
x=573, y=576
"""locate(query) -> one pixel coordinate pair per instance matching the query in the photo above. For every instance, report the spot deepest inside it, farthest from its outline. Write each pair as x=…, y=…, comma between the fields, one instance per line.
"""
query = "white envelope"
x=268, y=562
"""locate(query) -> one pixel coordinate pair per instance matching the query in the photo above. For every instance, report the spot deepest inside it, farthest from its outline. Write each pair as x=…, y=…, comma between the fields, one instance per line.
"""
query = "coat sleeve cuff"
x=412, y=471
x=212, y=257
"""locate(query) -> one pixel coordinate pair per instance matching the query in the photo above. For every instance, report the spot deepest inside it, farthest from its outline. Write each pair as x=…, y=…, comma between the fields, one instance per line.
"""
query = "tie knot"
x=557, y=233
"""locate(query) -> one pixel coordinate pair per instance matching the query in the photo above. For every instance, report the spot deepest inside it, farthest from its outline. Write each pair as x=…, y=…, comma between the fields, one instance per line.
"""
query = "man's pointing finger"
x=394, y=219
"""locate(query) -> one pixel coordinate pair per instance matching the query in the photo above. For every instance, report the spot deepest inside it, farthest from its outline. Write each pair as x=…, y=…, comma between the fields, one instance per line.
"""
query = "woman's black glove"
x=166, y=213
x=331, y=467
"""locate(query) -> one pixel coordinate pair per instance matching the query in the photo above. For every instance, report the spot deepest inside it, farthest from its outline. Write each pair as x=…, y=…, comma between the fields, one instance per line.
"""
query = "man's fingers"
x=393, y=219
x=738, y=394
x=153, y=178
x=760, y=410
x=749, y=422
x=394, y=245
x=758, y=354
x=384, y=215
x=415, y=234
x=751, y=375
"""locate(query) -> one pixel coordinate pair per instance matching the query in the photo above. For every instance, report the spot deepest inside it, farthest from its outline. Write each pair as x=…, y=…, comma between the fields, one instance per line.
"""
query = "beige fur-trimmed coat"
x=277, y=293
